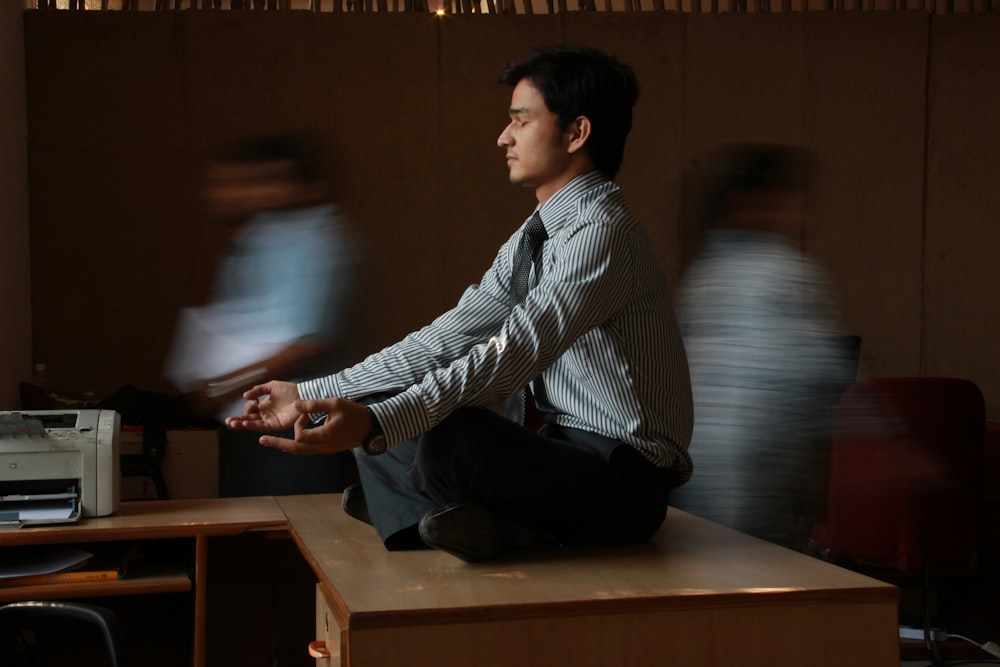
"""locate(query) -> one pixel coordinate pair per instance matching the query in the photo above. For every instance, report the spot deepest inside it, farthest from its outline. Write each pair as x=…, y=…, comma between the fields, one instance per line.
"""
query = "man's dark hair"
x=753, y=168
x=302, y=149
x=581, y=81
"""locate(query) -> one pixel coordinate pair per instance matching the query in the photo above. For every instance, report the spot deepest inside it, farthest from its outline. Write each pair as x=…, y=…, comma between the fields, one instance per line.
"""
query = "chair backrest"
x=106, y=625
x=34, y=397
x=906, y=485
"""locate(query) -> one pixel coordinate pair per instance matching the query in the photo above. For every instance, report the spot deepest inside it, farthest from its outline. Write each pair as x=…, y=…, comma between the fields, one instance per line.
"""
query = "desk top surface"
x=691, y=561
x=160, y=519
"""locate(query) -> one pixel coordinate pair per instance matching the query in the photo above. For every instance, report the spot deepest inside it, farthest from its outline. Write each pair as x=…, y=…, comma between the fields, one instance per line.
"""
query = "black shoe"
x=353, y=502
x=472, y=533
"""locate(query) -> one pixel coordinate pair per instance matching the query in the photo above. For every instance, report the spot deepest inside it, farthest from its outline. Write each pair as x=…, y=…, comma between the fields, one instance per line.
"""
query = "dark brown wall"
x=15, y=304
x=124, y=107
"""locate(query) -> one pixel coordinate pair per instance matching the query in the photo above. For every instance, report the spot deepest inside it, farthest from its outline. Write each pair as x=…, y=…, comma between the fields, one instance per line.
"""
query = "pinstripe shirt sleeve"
x=400, y=369
x=598, y=328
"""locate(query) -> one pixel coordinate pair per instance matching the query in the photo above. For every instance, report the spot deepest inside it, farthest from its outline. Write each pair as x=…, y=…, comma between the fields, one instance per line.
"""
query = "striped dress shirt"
x=598, y=328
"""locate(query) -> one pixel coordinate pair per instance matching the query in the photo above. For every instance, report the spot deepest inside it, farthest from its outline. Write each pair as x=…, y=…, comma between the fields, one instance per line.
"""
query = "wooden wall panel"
x=962, y=260
x=15, y=272
x=367, y=87
x=105, y=105
x=863, y=107
x=478, y=208
x=653, y=44
x=743, y=82
x=743, y=79
x=124, y=108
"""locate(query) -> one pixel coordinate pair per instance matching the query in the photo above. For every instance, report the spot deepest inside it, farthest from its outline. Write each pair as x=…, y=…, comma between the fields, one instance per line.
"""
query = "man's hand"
x=346, y=425
x=270, y=407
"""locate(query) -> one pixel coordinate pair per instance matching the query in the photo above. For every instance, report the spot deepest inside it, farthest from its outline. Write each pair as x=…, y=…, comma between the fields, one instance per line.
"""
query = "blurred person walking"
x=282, y=301
x=767, y=363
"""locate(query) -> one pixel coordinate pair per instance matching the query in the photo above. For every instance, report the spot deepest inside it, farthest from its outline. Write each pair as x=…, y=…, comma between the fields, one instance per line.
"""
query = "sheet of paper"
x=201, y=350
x=52, y=511
x=23, y=561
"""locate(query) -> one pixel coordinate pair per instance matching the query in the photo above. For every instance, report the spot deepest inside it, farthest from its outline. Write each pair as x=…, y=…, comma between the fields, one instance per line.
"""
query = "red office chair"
x=906, y=486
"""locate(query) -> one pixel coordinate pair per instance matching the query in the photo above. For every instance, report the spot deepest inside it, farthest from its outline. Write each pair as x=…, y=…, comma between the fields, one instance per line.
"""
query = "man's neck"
x=545, y=191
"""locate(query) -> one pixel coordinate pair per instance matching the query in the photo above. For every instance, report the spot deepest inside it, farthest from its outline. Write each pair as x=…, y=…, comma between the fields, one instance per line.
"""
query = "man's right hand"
x=270, y=407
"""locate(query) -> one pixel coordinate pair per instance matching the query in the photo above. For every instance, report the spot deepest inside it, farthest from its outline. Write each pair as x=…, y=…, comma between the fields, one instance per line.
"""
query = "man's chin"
x=518, y=181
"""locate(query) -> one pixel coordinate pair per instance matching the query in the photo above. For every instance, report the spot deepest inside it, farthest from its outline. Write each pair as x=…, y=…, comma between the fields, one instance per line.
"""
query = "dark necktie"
x=528, y=253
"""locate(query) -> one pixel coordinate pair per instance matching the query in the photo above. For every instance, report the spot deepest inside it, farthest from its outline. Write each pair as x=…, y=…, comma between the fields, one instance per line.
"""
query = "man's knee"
x=440, y=442
x=447, y=456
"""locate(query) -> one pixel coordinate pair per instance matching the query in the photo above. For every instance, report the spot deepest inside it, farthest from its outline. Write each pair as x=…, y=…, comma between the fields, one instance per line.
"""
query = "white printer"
x=58, y=465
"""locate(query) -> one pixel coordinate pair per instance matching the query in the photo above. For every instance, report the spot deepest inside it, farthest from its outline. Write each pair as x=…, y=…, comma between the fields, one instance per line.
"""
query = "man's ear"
x=578, y=133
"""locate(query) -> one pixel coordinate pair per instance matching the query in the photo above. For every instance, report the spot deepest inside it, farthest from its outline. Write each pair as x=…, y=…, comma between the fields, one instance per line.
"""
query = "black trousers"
x=575, y=486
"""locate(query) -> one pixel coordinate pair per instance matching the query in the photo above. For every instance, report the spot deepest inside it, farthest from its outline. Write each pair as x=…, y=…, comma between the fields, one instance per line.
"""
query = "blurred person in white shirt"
x=765, y=350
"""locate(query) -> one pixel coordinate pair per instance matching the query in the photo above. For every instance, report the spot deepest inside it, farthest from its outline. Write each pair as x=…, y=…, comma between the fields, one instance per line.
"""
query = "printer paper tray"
x=26, y=509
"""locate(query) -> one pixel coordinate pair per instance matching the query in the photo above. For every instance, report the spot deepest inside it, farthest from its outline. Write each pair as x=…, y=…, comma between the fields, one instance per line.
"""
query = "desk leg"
x=200, y=598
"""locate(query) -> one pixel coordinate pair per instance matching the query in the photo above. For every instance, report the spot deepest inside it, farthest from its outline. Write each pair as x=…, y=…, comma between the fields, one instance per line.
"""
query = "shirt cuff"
x=314, y=390
x=402, y=417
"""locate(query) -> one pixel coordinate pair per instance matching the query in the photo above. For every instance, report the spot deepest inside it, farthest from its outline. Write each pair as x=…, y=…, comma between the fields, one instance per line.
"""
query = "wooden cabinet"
x=326, y=649
x=699, y=593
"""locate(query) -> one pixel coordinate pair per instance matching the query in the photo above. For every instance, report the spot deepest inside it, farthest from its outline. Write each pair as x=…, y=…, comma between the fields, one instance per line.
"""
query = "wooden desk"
x=699, y=595
x=152, y=520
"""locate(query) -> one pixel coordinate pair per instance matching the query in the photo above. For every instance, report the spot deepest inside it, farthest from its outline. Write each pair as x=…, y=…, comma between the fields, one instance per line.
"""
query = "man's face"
x=778, y=210
x=536, y=149
x=239, y=189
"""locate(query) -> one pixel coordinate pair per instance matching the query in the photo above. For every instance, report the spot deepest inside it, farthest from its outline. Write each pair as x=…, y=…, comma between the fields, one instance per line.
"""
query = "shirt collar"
x=556, y=211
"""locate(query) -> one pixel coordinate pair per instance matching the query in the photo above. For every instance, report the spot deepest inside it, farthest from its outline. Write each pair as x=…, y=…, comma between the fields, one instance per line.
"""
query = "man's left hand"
x=346, y=425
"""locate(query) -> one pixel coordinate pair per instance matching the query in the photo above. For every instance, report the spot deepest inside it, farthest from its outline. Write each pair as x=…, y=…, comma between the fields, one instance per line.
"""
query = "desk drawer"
x=326, y=647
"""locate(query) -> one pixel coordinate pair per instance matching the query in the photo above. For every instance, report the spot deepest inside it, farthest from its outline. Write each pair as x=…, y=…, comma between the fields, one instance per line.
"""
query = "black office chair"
x=34, y=397
x=21, y=617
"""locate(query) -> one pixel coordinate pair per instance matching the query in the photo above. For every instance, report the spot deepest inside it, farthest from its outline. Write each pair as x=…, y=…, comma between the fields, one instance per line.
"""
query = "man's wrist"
x=374, y=443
